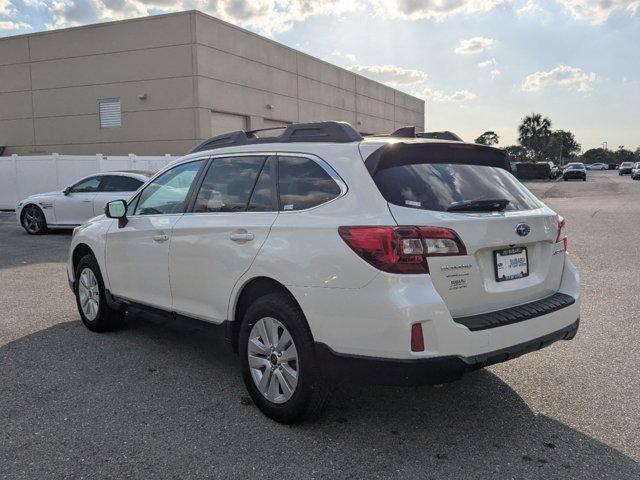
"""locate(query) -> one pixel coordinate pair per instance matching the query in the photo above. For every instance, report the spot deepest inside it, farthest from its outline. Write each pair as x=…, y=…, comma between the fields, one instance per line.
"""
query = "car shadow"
x=164, y=398
x=18, y=248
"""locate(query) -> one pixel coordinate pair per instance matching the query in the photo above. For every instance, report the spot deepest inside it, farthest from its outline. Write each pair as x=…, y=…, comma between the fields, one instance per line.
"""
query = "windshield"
x=441, y=186
x=626, y=164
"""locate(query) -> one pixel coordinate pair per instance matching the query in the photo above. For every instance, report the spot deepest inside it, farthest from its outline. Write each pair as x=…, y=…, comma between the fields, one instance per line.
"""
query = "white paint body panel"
x=205, y=263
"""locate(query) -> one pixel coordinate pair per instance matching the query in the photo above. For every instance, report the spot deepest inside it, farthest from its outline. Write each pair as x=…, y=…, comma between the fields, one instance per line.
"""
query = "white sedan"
x=598, y=166
x=78, y=202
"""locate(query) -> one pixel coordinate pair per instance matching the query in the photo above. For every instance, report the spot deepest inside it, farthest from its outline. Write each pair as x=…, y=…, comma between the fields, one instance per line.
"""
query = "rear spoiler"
x=397, y=154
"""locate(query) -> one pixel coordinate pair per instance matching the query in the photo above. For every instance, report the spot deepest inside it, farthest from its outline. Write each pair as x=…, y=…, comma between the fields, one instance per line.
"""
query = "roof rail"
x=337, y=132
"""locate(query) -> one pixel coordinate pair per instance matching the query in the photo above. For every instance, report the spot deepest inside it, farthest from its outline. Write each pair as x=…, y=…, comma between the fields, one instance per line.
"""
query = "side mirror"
x=117, y=209
x=67, y=191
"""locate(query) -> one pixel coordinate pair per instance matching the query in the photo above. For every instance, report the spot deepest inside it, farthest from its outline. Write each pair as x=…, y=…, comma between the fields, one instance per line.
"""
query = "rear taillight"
x=401, y=249
x=562, y=233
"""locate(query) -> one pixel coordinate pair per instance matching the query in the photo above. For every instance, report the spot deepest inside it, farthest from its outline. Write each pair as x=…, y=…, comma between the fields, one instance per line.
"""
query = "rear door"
x=214, y=244
x=511, y=255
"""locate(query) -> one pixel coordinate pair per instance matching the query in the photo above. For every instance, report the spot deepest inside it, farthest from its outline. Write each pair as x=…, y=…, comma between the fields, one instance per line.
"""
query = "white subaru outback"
x=322, y=253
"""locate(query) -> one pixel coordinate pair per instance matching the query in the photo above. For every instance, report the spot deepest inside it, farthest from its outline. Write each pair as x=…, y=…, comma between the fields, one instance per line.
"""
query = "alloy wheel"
x=89, y=294
x=273, y=360
x=33, y=220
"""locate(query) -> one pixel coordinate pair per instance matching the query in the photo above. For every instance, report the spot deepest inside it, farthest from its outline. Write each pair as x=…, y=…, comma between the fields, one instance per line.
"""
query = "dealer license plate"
x=511, y=263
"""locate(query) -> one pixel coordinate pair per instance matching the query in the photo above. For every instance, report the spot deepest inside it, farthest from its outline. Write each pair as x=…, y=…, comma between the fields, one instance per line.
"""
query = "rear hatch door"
x=512, y=256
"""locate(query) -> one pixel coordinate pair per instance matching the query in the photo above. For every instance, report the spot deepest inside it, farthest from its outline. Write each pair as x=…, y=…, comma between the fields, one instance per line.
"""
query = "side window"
x=303, y=183
x=227, y=185
x=87, y=185
x=262, y=198
x=168, y=192
x=120, y=183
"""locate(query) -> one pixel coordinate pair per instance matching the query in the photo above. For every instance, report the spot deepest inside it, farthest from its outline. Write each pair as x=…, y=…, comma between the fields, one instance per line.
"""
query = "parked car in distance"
x=635, y=172
x=555, y=171
x=575, y=170
x=598, y=166
x=79, y=202
x=625, y=168
x=394, y=261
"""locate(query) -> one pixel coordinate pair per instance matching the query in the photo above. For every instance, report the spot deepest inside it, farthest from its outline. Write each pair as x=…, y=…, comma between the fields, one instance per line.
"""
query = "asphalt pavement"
x=164, y=399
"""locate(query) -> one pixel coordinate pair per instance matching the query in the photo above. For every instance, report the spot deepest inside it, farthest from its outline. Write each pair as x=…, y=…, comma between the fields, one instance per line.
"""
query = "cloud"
x=6, y=7
x=391, y=75
x=597, y=11
x=488, y=63
x=562, y=75
x=10, y=25
x=431, y=9
x=473, y=45
x=495, y=71
x=400, y=77
x=427, y=93
x=530, y=7
x=266, y=16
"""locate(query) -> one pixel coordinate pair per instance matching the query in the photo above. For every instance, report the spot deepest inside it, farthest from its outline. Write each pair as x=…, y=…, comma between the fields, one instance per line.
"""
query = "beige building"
x=161, y=84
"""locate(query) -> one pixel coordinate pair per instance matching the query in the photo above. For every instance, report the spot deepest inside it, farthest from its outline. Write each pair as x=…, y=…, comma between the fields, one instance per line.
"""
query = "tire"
x=306, y=396
x=584, y=179
x=33, y=220
x=565, y=179
x=96, y=315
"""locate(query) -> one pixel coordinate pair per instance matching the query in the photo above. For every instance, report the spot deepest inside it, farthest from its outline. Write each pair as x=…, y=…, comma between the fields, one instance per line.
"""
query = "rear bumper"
x=428, y=371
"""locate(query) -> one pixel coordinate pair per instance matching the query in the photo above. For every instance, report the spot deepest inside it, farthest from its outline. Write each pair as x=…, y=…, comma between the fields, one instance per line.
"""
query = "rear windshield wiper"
x=495, y=205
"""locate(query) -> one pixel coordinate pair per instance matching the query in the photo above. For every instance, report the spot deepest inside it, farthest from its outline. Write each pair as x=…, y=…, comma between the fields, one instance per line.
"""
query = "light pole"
x=604, y=145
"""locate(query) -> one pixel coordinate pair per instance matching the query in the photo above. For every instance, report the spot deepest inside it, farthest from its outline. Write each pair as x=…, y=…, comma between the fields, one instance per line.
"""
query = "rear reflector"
x=417, y=339
x=401, y=249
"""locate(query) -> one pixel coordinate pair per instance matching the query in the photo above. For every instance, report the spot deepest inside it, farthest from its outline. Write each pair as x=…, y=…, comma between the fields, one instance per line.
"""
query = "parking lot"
x=164, y=399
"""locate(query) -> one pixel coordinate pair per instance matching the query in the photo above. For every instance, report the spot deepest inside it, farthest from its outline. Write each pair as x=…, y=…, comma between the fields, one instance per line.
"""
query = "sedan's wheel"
x=273, y=360
x=33, y=220
x=95, y=312
x=279, y=367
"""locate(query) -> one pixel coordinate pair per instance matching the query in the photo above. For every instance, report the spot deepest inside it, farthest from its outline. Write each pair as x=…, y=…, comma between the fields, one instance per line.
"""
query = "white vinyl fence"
x=21, y=176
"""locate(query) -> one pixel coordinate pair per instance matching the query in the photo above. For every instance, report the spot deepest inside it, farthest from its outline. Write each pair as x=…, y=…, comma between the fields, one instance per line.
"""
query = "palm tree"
x=534, y=133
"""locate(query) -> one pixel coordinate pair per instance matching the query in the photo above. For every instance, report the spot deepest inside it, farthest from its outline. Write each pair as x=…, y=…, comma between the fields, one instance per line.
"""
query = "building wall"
x=199, y=76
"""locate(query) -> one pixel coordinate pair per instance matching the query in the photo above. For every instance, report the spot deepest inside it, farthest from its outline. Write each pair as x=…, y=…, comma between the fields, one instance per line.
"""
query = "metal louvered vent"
x=110, y=113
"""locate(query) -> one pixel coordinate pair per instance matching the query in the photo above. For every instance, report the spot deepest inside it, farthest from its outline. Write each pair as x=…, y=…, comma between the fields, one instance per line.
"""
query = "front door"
x=76, y=206
x=214, y=244
x=137, y=254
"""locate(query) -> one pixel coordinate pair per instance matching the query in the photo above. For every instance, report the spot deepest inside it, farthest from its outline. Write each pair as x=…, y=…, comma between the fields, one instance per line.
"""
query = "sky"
x=479, y=64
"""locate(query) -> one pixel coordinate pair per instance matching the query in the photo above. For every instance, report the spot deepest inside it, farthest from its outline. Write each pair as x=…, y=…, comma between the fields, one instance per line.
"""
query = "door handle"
x=160, y=238
x=241, y=236
x=87, y=201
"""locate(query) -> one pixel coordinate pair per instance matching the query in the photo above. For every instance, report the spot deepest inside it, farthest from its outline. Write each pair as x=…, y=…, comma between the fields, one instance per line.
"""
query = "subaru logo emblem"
x=523, y=229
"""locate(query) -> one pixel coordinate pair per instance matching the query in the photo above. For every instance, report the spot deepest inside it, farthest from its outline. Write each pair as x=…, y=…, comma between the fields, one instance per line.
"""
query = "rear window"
x=303, y=184
x=436, y=186
x=576, y=166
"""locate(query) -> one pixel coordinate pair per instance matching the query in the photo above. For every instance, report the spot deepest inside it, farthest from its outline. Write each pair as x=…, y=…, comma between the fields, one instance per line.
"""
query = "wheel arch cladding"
x=252, y=290
x=80, y=251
